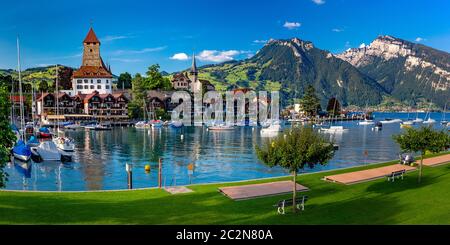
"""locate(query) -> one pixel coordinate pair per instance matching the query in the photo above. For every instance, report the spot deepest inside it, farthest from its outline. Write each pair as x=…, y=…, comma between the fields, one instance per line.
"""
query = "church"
x=93, y=75
x=182, y=81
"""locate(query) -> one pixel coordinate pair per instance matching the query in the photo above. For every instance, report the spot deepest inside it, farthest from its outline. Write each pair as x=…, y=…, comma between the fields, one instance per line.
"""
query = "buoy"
x=147, y=168
x=190, y=166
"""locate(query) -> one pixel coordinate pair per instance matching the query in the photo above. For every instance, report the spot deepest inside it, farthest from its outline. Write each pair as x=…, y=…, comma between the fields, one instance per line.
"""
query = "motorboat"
x=389, y=120
x=44, y=132
x=33, y=141
x=333, y=129
x=176, y=124
x=73, y=126
x=64, y=143
x=429, y=121
x=98, y=127
x=47, y=151
x=220, y=127
x=156, y=123
x=21, y=151
x=142, y=124
x=366, y=122
x=272, y=129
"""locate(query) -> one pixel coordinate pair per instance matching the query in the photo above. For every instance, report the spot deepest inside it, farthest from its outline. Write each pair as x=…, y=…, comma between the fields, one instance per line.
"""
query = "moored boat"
x=21, y=151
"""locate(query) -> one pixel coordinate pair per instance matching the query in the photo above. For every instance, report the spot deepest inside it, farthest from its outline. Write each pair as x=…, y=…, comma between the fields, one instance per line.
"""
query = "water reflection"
x=100, y=156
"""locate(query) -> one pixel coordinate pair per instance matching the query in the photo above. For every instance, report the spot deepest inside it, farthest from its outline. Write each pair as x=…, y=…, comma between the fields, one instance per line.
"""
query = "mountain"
x=406, y=70
x=290, y=66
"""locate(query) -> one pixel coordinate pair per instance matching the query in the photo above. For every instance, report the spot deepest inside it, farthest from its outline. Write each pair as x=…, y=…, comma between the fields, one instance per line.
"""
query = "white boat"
x=388, y=121
x=333, y=129
x=407, y=122
x=221, y=127
x=142, y=124
x=64, y=143
x=366, y=122
x=418, y=120
x=47, y=151
x=429, y=121
x=72, y=126
x=176, y=124
x=272, y=129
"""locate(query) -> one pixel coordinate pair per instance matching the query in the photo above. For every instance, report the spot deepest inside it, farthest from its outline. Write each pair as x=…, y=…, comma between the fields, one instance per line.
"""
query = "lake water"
x=100, y=156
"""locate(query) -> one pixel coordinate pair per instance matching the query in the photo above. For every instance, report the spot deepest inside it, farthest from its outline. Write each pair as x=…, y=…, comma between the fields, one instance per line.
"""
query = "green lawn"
x=374, y=202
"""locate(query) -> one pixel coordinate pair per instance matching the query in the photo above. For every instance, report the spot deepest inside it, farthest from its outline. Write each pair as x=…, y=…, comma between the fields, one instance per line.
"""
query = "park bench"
x=300, y=202
x=395, y=174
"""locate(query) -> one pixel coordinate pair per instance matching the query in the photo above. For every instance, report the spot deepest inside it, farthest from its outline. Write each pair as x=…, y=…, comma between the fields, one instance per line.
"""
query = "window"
x=85, y=81
x=107, y=81
x=92, y=87
x=106, y=86
x=90, y=50
x=99, y=81
x=79, y=86
x=92, y=81
x=99, y=86
x=86, y=87
x=79, y=81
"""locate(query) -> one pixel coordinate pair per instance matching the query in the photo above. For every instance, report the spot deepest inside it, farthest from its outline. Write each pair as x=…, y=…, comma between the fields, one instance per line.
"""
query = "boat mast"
x=57, y=99
x=22, y=115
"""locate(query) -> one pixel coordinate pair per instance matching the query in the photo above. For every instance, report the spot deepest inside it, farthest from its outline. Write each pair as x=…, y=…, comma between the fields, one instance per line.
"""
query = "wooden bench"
x=300, y=202
x=396, y=174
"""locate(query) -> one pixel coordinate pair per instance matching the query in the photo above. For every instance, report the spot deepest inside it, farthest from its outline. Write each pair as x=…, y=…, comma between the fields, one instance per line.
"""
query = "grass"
x=373, y=202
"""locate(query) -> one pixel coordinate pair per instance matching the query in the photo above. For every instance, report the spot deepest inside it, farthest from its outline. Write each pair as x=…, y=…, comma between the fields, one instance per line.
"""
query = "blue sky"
x=136, y=34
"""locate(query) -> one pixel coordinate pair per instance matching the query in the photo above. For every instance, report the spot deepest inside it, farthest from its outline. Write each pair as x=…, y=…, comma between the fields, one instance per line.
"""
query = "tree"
x=310, y=102
x=65, y=77
x=7, y=137
x=43, y=86
x=300, y=147
x=155, y=79
x=421, y=140
x=334, y=107
x=124, y=81
x=135, y=107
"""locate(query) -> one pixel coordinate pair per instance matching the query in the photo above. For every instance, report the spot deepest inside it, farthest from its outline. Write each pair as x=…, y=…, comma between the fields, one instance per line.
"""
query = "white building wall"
x=89, y=85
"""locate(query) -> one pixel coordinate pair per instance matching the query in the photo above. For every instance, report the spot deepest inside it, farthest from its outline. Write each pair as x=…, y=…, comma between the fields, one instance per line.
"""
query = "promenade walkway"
x=366, y=175
x=260, y=190
x=435, y=161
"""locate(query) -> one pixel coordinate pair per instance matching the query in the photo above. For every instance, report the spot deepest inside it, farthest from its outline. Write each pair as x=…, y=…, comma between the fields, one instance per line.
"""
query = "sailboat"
x=443, y=121
x=331, y=128
x=408, y=123
x=63, y=143
x=144, y=123
x=21, y=150
x=429, y=120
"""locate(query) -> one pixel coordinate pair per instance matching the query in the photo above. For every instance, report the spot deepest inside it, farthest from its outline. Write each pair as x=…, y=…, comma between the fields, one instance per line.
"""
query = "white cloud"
x=362, y=45
x=260, y=41
x=420, y=39
x=291, y=25
x=319, y=2
x=140, y=51
x=219, y=56
x=112, y=38
x=337, y=30
x=180, y=56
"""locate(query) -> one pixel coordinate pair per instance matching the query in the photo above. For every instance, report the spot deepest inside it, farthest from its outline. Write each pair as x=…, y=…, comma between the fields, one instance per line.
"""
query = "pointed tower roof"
x=194, y=65
x=91, y=37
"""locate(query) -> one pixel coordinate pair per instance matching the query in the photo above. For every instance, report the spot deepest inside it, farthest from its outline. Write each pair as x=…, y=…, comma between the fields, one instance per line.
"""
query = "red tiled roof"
x=91, y=37
x=92, y=72
x=89, y=96
x=40, y=96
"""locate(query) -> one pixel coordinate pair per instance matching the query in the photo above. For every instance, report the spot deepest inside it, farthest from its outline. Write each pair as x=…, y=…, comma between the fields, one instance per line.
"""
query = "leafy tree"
x=7, y=137
x=421, y=140
x=310, y=102
x=334, y=107
x=300, y=147
x=135, y=107
x=43, y=86
x=161, y=113
x=124, y=81
x=155, y=80
x=65, y=77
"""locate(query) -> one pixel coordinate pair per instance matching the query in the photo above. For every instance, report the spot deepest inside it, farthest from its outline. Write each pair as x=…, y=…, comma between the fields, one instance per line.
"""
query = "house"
x=191, y=82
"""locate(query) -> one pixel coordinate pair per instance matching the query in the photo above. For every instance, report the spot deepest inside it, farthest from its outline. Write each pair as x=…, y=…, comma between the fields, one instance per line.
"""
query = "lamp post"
x=128, y=168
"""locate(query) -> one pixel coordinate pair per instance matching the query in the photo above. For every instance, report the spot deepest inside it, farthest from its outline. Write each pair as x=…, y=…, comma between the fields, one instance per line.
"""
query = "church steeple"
x=194, y=66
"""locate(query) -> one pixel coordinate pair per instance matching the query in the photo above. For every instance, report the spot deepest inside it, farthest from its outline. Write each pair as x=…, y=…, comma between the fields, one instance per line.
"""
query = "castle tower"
x=91, y=52
x=196, y=85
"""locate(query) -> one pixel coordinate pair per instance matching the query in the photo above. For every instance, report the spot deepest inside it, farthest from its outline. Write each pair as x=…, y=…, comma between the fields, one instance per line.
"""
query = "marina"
x=99, y=158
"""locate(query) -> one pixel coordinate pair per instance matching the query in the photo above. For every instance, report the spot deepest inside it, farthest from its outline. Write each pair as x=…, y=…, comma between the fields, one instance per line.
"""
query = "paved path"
x=366, y=175
x=260, y=190
x=434, y=161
